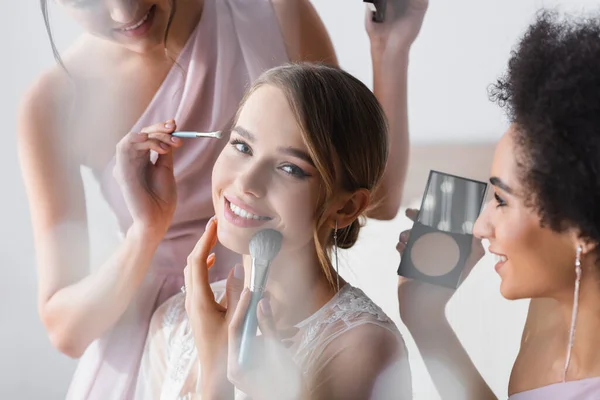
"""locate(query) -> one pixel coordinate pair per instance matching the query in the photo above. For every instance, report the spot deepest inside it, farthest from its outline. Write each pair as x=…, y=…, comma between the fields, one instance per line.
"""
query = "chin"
x=511, y=291
x=233, y=239
x=144, y=46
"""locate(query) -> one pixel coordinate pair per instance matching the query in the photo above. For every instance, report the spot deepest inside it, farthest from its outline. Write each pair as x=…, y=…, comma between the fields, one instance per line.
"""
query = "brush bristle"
x=265, y=244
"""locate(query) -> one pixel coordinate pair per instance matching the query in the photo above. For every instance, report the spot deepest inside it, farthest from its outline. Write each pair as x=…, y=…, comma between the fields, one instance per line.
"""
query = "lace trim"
x=351, y=305
x=181, y=348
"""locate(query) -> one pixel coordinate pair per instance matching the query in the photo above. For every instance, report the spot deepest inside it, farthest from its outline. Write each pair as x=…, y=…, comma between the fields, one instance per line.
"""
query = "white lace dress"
x=344, y=343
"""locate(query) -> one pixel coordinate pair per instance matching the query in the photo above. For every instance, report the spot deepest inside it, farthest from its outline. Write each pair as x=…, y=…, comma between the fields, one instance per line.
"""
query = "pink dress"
x=584, y=389
x=234, y=42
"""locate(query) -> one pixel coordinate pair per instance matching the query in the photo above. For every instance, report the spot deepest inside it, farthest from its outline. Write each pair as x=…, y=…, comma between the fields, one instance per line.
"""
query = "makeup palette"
x=441, y=238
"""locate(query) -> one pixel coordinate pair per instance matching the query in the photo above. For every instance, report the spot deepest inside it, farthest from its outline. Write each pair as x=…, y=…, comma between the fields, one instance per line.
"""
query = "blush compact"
x=441, y=238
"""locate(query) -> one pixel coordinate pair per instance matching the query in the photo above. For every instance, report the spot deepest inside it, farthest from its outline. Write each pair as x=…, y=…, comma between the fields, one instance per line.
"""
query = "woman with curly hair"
x=543, y=225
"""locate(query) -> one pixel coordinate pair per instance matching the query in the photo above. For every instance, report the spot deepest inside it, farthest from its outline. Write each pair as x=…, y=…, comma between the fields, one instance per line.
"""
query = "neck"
x=186, y=18
x=585, y=359
x=296, y=285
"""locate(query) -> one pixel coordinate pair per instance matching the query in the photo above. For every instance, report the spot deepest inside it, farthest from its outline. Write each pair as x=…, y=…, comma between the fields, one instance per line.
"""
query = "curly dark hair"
x=551, y=92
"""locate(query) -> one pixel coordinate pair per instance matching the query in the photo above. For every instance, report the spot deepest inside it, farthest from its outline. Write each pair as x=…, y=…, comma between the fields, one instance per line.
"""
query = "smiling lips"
x=242, y=215
x=140, y=27
x=500, y=260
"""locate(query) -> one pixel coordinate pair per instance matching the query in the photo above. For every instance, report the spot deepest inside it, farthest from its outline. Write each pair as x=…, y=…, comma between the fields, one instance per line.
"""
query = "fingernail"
x=209, y=222
x=265, y=306
x=238, y=271
x=174, y=139
x=164, y=146
x=169, y=125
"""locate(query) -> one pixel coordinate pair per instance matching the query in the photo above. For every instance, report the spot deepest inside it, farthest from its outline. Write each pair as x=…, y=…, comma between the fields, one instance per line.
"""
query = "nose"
x=123, y=11
x=253, y=180
x=483, y=228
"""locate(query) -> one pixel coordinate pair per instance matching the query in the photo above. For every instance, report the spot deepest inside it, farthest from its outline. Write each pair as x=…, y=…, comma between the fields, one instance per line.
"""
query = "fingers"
x=150, y=144
x=165, y=138
x=412, y=214
x=199, y=260
x=266, y=323
x=402, y=241
x=159, y=136
x=235, y=286
x=235, y=325
x=404, y=236
x=165, y=160
x=400, y=247
x=161, y=127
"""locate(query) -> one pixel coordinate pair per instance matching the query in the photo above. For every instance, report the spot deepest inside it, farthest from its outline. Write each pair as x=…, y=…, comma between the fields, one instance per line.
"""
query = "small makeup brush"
x=191, y=134
x=264, y=247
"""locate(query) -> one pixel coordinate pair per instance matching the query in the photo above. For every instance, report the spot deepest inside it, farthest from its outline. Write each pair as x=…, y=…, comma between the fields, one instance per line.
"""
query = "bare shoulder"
x=43, y=103
x=375, y=338
x=304, y=33
x=47, y=102
x=367, y=361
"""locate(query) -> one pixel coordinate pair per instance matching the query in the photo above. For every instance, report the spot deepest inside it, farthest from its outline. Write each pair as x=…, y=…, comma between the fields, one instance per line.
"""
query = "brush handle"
x=191, y=134
x=249, y=330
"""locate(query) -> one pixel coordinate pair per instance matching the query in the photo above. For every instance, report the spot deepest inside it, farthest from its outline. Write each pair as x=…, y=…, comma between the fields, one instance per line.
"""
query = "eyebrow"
x=292, y=151
x=498, y=183
x=243, y=133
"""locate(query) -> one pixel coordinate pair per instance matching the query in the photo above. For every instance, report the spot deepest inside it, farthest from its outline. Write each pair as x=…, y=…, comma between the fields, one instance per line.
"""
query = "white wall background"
x=463, y=47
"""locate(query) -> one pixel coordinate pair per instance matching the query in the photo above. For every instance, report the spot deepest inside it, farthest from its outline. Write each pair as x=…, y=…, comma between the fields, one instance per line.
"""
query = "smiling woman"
x=543, y=223
x=307, y=168
x=119, y=80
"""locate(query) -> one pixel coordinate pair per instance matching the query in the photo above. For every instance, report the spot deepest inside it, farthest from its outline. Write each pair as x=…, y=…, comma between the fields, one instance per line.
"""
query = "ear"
x=349, y=207
x=587, y=245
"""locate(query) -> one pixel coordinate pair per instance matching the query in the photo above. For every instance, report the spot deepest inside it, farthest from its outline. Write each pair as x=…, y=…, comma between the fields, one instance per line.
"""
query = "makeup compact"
x=441, y=238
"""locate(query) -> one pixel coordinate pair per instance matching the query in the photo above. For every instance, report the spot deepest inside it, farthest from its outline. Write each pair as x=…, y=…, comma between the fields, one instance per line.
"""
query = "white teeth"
x=138, y=24
x=500, y=258
x=240, y=212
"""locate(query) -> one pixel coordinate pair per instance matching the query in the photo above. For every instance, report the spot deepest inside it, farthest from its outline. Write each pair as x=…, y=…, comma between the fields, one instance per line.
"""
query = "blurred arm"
x=76, y=307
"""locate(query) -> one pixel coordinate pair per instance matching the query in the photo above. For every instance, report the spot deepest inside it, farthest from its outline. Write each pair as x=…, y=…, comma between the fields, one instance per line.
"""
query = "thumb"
x=234, y=287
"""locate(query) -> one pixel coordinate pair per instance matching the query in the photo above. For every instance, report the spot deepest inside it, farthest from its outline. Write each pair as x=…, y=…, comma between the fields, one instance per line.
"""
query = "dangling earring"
x=574, y=313
x=335, y=249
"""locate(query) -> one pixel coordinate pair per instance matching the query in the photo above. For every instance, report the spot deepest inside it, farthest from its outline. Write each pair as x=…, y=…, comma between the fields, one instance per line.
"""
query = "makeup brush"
x=264, y=246
x=191, y=134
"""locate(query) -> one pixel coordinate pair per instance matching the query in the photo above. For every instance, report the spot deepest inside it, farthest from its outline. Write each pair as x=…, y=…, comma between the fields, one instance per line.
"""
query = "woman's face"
x=533, y=261
x=136, y=24
x=265, y=177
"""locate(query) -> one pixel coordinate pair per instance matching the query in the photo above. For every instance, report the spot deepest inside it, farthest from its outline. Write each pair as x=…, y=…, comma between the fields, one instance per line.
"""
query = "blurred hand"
x=415, y=297
x=273, y=374
x=149, y=189
x=402, y=24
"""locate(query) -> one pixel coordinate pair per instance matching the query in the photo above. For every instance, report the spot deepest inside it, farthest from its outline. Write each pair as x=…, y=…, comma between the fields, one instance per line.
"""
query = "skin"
x=259, y=170
x=115, y=73
x=540, y=266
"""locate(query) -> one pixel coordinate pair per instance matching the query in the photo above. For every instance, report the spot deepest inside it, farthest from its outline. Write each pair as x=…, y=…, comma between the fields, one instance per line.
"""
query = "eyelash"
x=289, y=169
x=499, y=201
